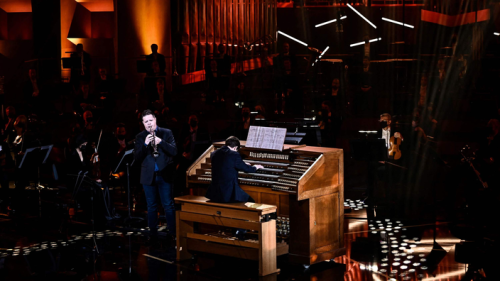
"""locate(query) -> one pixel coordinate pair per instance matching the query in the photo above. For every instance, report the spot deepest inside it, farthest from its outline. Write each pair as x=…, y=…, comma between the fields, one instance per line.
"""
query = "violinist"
x=388, y=133
x=155, y=149
x=386, y=173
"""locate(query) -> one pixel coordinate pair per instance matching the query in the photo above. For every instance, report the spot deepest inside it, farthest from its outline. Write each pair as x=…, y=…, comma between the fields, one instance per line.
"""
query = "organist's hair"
x=233, y=141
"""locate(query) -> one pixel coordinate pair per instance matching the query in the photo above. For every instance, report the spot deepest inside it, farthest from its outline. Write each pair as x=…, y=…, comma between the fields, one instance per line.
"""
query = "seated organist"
x=226, y=162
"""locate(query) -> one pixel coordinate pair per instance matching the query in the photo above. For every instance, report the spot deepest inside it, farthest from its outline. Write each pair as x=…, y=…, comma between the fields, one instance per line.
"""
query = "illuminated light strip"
x=324, y=51
x=496, y=33
x=397, y=22
x=363, y=17
x=296, y=40
x=330, y=21
x=371, y=41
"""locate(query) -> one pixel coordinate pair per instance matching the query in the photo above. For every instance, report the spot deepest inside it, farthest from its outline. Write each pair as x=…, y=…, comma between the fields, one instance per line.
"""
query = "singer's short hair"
x=233, y=141
x=146, y=113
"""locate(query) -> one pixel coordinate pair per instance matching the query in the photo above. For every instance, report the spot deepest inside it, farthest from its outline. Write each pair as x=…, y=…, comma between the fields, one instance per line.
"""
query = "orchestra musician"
x=155, y=149
x=385, y=173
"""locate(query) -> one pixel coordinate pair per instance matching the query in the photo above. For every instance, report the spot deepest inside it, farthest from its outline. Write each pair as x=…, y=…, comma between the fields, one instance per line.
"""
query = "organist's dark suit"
x=225, y=166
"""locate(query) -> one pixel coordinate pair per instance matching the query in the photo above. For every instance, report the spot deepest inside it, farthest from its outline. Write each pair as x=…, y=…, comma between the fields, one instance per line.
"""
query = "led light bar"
x=496, y=33
x=371, y=41
x=296, y=40
x=397, y=22
x=330, y=21
x=363, y=17
x=326, y=49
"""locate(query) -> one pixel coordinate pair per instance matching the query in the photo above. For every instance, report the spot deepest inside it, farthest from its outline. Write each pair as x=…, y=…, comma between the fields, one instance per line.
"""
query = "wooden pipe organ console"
x=307, y=186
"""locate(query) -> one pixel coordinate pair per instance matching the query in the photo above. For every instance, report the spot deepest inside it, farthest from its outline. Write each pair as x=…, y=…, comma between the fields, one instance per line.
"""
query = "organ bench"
x=251, y=216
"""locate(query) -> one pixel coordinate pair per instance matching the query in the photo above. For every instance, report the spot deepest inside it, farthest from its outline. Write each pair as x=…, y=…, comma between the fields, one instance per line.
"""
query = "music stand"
x=127, y=160
x=368, y=149
x=37, y=156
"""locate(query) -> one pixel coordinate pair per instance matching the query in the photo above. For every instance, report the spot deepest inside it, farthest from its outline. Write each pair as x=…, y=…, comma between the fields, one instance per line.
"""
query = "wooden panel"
x=223, y=241
x=325, y=226
x=267, y=249
x=299, y=227
x=182, y=229
x=219, y=221
x=284, y=206
x=220, y=249
x=260, y=209
x=221, y=212
x=271, y=199
x=255, y=195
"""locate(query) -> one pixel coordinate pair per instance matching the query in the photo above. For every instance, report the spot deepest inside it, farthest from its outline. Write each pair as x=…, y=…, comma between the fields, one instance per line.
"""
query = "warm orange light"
x=16, y=6
x=97, y=5
x=76, y=41
x=151, y=23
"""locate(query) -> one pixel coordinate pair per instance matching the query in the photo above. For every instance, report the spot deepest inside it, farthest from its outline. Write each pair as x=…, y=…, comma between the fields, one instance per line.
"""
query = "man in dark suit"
x=226, y=162
x=80, y=68
x=155, y=153
x=155, y=56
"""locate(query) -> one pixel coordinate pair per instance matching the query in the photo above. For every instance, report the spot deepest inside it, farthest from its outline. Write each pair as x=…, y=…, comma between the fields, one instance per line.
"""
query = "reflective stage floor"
x=378, y=248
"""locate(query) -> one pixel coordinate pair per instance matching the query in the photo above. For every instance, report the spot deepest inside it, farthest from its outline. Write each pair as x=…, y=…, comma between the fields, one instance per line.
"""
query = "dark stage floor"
x=380, y=247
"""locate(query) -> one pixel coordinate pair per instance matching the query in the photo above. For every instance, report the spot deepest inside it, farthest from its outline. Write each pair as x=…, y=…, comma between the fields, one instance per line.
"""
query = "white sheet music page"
x=266, y=137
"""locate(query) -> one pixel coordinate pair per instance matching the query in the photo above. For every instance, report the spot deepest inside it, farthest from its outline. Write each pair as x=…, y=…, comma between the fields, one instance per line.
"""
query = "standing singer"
x=154, y=149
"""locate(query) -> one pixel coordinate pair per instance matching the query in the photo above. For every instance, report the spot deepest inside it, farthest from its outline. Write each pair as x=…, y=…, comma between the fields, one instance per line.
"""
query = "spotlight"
x=496, y=33
x=359, y=14
x=361, y=43
x=330, y=21
x=397, y=22
x=296, y=40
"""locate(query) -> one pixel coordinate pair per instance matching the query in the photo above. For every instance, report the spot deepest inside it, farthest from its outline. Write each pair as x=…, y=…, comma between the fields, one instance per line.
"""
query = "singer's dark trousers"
x=164, y=189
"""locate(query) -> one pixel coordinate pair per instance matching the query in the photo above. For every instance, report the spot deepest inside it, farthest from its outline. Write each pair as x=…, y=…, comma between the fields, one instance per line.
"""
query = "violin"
x=394, y=152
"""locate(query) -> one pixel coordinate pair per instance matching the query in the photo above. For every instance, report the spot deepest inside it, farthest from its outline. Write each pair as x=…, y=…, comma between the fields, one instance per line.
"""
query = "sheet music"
x=266, y=137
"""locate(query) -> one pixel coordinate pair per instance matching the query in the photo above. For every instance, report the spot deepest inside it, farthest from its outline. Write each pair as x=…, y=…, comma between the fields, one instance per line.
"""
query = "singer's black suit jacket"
x=144, y=154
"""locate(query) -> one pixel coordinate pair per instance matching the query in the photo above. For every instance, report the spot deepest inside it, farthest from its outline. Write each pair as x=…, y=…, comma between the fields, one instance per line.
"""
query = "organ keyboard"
x=307, y=186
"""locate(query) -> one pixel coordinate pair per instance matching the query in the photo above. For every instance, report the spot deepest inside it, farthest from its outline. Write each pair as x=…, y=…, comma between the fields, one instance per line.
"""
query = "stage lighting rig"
x=331, y=21
x=294, y=39
x=364, y=42
x=397, y=22
x=363, y=17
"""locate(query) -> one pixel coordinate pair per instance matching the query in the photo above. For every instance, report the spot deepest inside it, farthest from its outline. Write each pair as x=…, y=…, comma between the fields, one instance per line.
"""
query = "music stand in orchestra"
x=127, y=160
x=36, y=157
